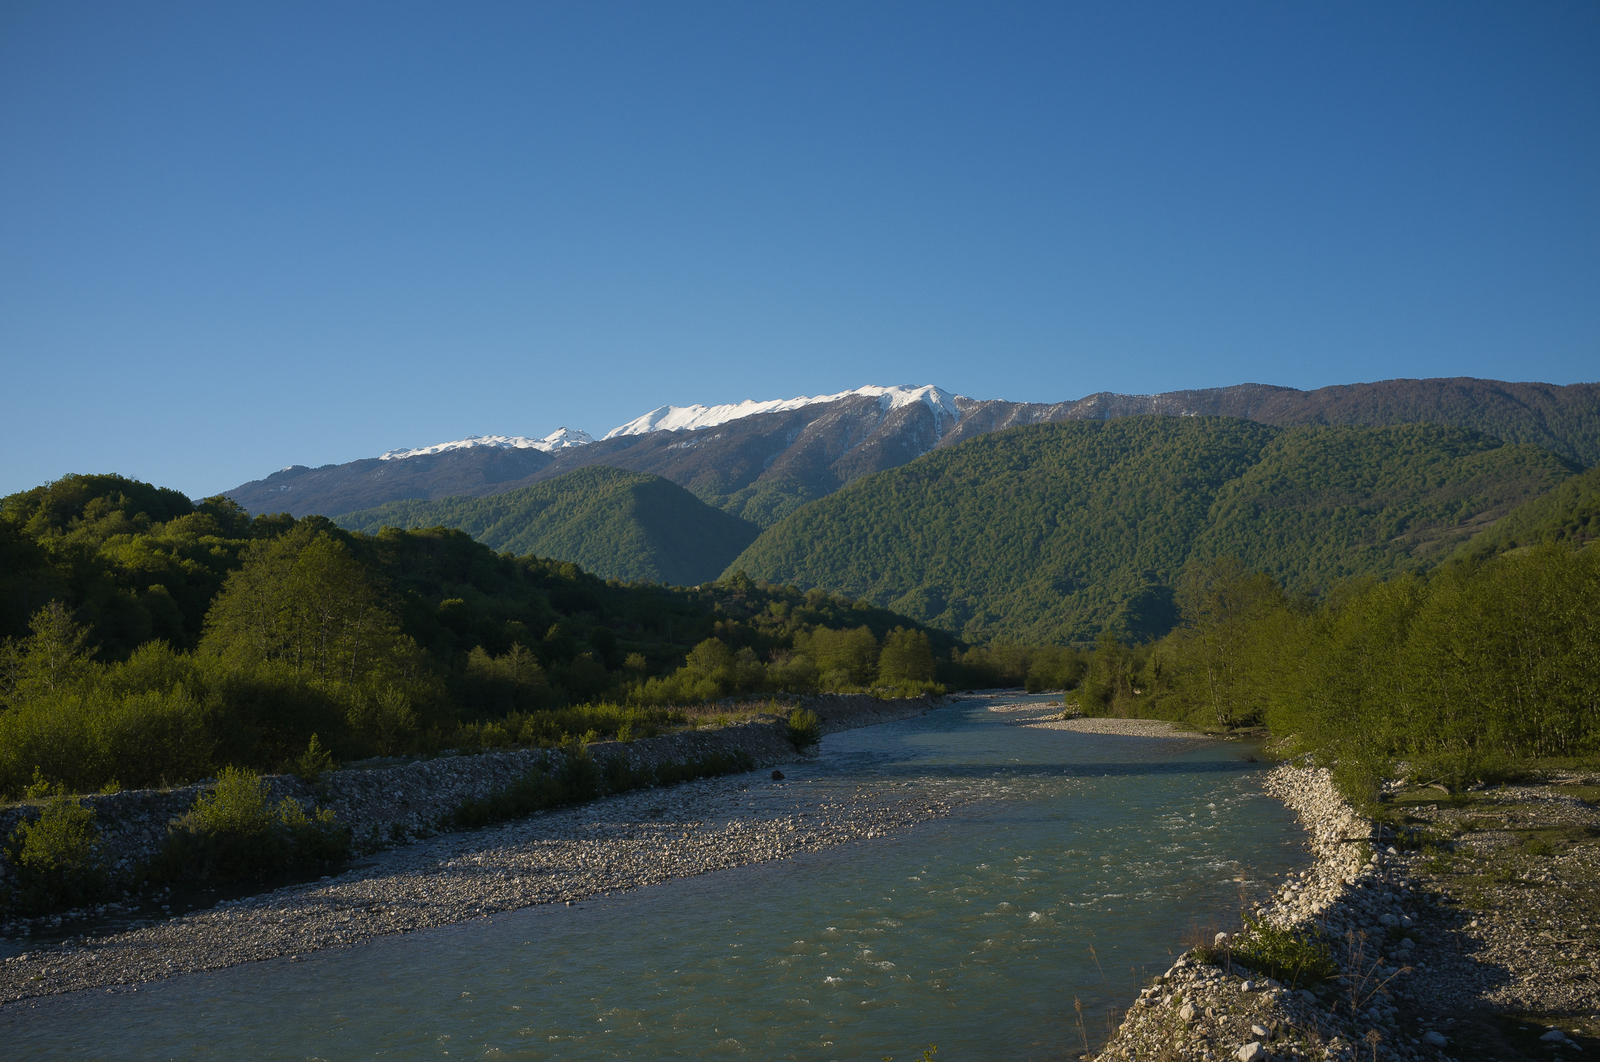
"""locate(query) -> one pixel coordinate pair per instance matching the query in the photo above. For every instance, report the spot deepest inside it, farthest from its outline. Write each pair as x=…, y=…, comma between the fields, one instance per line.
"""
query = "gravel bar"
x=566, y=855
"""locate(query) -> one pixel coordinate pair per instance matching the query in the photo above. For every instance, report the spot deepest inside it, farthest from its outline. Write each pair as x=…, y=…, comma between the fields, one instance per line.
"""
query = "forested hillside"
x=150, y=639
x=614, y=523
x=1568, y=514
x=1055, y=532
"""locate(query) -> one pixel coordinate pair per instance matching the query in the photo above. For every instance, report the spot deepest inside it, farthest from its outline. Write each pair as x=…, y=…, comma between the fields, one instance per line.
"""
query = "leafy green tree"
x=303, y=599
x=844, y=657
x=907, y=657
x=53, y=658
x=511, y=682
x=1222, y=602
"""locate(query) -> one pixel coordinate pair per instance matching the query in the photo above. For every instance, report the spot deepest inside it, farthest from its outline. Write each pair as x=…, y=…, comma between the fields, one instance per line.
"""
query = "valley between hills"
x=560, y=689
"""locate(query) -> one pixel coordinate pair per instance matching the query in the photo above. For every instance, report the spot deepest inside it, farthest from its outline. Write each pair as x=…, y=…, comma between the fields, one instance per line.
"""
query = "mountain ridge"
x=1059, y=531
x=764, y=465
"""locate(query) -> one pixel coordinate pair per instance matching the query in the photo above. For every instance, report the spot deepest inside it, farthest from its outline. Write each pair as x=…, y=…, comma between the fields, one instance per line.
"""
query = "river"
x=1017, y=928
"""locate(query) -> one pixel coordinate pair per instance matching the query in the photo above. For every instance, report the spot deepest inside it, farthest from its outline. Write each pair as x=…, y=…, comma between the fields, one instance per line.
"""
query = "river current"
x=1017, y=928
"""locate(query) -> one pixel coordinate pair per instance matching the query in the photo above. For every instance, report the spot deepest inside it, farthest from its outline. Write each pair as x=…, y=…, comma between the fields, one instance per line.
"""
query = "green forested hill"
x=1054, y=532
x=146, y=639
x=1570, y=514
x=614, y=523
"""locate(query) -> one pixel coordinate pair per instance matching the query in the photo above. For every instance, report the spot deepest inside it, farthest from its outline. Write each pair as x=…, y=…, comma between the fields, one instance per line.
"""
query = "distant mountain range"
x=761, y=461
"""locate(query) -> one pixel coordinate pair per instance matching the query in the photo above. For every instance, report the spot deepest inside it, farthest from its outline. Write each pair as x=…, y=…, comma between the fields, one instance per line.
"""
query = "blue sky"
x=235, y=237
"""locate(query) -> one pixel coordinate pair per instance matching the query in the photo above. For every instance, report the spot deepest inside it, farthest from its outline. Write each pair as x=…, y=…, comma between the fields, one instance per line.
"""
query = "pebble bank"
x=567, y=855
x=1414, y=972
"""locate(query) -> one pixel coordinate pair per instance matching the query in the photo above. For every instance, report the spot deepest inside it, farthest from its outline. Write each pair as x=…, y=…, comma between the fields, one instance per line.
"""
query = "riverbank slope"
x=1444, y=951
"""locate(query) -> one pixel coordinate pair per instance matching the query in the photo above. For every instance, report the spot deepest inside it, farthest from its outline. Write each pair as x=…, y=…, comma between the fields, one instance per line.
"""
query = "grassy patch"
x=1429, y=797
x=1553, y=840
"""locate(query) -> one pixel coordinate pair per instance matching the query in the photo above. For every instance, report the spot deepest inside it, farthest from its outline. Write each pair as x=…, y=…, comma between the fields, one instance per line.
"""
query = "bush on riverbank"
x=234, y=832
x=804, y=728
x=54, y=859
x=1299, y=958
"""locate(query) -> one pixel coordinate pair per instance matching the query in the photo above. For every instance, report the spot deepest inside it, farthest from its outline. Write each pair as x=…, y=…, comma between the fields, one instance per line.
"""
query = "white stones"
x=1220, y=939
x=1247, y=986
x=1251, y=1052
x=1554, y=1036
x=1260, y=1032
x=1434, y=1038
x=1187, y=1012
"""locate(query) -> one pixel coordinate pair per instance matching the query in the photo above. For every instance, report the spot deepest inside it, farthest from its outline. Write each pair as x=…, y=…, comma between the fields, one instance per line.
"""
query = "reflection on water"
x=1074, y=877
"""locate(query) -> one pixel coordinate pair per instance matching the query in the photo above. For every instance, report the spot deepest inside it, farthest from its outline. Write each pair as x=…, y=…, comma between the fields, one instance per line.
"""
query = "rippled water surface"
x=1080, y=867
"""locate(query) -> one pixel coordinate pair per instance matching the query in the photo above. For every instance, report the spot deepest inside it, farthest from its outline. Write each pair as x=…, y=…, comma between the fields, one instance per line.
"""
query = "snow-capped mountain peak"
x=688, y=418
x=560, y=439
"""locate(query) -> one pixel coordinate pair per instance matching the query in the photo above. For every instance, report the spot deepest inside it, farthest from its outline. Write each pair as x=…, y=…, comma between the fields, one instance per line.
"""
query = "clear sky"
x=239, y=236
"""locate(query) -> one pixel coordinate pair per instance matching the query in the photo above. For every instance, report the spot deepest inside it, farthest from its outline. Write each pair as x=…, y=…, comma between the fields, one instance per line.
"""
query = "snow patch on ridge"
x=688, y=418
x=560, y=439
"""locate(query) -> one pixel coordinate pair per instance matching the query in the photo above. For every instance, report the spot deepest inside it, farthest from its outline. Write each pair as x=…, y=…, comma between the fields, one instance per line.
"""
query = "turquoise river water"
x=1077, y=871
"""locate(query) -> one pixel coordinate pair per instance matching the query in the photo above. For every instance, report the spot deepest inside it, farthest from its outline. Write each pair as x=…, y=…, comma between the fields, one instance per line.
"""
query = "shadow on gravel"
x=1493, y=1037
x=1476, y=1030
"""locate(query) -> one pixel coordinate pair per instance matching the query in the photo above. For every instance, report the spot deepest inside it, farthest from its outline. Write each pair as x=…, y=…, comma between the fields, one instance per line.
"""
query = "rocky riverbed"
x=1444, y=951
x=612, y=845
x=1049, y=717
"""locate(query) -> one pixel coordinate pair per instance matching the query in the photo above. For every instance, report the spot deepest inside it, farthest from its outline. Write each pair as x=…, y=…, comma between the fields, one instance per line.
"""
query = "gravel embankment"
x=1429, y=969
x=1048, y=717
x=612, y=845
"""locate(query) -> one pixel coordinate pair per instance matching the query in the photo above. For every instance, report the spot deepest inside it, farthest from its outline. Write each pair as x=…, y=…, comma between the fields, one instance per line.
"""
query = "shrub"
x=579, y=779
x=580, y=775
x=312, y=762
x=533, y=792
x=1294, y=957
x=804, y=728
x=709, y=766
x=85, y=737
x=56, y=858
x=233, y=832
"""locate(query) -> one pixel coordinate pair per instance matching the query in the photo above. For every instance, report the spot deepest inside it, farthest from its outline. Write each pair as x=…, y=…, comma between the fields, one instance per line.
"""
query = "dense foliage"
x=1056, y=532
x=614, y=523
x=133, y=561
x=405, y=641
x=1569, y=514
x=1476, y=671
